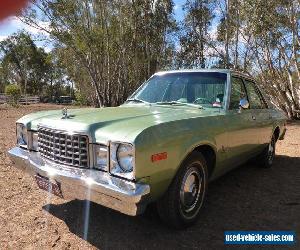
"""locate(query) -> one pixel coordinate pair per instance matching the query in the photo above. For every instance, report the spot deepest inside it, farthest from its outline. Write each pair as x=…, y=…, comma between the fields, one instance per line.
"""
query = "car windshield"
x=197, y=88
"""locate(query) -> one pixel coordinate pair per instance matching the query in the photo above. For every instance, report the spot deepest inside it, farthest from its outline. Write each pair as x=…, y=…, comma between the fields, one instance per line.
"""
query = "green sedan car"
x=177, y=132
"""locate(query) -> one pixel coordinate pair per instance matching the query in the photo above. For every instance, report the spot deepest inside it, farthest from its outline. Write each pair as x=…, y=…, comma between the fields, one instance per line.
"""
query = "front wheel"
x=180, y=206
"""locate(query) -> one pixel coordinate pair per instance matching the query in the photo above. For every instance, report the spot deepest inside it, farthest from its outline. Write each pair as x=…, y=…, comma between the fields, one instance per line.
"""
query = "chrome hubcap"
x=190, y=190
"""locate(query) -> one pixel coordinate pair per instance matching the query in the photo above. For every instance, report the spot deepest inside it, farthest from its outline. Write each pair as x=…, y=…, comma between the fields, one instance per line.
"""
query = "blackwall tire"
x=181, y=204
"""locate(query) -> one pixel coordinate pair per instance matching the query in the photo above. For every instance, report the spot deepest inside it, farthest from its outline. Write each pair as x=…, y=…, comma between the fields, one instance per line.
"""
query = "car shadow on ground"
x=247, y=198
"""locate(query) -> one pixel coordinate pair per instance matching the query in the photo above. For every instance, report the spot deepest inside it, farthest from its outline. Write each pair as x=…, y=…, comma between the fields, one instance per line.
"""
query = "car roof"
x=226, y=71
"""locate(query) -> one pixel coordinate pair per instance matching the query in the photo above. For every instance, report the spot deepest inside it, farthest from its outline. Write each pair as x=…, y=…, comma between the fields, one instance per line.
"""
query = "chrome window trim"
x=230, y=88
x=258, y=91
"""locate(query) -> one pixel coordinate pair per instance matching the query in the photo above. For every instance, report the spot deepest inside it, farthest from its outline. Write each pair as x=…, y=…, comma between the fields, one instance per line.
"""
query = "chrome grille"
x=61, y=147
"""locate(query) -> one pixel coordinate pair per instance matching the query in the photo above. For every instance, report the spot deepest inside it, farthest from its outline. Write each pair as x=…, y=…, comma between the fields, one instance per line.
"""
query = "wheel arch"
x=276, y=132
x=209, y=153
x=210, y=156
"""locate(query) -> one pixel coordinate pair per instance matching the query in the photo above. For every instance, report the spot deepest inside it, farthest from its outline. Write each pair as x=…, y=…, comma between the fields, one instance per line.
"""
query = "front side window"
x=255, y=99
x=199, y=88
x=238, y=93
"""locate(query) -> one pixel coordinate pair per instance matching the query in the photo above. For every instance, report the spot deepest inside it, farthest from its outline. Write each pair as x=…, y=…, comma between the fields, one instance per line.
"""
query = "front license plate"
x=51, y=187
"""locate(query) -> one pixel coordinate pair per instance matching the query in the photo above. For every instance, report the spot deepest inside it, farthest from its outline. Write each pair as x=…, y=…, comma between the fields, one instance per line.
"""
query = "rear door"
x=260, y=114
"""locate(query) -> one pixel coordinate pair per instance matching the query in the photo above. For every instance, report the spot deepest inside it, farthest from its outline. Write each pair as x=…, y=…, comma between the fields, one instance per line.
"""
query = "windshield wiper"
x=136, y=100
x=180, y=103
x=169, y=103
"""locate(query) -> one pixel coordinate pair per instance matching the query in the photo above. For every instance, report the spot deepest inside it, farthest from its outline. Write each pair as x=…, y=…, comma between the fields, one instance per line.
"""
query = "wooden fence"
x=23, y=99
x=29, y=99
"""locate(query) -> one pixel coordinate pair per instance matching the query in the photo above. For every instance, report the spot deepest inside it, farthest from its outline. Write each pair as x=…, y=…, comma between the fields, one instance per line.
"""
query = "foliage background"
x=106, y=49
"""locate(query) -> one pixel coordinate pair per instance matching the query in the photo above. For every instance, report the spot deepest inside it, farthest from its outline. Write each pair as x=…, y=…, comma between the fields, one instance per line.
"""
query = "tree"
x=262, y=38
x=117, y=44
x=194, y=37
x=273, y=28
x=24, y=63
x=57, y=77
x=108, y=47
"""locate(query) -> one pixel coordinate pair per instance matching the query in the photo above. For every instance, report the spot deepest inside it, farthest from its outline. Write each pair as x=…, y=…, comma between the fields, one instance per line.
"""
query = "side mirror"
x=244, y=103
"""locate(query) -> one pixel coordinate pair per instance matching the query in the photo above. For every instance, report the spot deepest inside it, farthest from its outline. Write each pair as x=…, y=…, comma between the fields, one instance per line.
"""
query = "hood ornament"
x=65, y=113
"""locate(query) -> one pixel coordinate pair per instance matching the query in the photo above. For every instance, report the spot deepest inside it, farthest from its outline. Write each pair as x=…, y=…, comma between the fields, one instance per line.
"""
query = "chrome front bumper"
x=86, y=184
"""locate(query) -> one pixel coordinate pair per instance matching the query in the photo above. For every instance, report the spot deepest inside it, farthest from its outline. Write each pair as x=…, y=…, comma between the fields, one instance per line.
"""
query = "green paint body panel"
x=235, y=137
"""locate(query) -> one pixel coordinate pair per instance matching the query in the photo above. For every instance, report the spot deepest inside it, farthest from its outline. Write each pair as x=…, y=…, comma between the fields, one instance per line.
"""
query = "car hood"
x=121, y=123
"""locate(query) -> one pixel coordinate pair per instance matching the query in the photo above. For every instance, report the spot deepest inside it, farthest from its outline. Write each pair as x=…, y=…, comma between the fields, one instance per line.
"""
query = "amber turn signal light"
x=159, y=156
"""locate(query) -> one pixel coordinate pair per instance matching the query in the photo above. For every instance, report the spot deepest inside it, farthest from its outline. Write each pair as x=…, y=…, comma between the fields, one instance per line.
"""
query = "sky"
x=12, y=24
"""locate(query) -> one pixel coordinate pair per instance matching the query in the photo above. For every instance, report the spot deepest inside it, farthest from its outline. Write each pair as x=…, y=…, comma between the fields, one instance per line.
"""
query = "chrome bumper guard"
x=86, y=184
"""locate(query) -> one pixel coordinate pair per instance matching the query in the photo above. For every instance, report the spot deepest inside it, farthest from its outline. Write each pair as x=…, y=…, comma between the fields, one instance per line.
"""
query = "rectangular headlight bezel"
x=32, y=140
x=21, y=131
x=31, y=137
x=96, y=148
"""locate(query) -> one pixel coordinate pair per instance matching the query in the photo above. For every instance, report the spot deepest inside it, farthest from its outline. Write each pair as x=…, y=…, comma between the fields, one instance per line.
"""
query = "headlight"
x=22, y=138
x=101, y=156
x=125, y=157
x=122, y=160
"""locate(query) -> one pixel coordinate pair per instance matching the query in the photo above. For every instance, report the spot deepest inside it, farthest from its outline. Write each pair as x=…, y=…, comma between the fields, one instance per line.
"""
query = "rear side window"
x=255, y=98
x=238, y=92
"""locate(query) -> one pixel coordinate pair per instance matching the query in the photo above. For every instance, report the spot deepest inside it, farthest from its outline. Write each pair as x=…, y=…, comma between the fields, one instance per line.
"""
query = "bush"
x=14, y=92
x=81, y=100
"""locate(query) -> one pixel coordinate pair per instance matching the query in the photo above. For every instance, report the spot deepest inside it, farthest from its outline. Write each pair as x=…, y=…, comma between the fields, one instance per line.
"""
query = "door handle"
x=253, y=117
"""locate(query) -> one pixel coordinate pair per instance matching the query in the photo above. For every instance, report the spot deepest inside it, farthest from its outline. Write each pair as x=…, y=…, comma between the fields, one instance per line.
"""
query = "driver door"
x=240, y=125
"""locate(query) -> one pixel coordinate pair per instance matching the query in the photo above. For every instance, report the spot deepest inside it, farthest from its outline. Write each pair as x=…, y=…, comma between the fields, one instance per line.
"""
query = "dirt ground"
x=248, y=198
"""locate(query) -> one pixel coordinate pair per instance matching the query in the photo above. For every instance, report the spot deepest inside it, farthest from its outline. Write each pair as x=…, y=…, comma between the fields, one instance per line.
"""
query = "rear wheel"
x=266, y=158
x=180, y=206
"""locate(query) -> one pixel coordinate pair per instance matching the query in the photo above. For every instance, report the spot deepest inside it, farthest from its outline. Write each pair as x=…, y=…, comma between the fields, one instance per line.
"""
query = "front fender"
x=177, y=139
